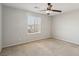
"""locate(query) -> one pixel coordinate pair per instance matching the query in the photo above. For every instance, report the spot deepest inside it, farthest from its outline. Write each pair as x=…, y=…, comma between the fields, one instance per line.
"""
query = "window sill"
x=33, y=33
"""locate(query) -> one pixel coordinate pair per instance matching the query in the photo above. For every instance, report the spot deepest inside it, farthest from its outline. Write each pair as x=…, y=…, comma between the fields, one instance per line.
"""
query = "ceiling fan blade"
x=57, y=10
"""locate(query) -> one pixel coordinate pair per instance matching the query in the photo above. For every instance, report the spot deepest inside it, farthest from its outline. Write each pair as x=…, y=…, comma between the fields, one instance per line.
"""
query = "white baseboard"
x=64, y=39
x=25, y=42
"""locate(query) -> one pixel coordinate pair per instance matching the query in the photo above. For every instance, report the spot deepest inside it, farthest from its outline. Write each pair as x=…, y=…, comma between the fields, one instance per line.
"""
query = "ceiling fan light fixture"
x=48, y=11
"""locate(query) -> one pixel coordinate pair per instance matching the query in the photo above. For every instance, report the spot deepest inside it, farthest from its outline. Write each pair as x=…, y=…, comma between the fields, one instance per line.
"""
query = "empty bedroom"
x=39, y=29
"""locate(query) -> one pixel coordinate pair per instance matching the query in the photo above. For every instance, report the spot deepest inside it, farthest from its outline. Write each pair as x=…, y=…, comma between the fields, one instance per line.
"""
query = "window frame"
x=34, y=23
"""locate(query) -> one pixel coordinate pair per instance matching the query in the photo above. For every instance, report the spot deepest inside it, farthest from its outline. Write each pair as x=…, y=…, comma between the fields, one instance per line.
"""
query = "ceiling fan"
x=50, y=9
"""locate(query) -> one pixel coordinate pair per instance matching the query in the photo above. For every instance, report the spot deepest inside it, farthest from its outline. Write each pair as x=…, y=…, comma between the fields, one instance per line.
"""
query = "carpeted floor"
x=45, y=47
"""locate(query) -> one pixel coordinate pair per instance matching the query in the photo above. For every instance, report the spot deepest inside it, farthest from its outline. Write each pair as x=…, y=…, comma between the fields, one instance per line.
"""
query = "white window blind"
x=34, y=24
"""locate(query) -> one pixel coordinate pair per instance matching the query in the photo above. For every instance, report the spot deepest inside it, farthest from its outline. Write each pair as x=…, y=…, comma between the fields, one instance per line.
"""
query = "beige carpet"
x=45, y=47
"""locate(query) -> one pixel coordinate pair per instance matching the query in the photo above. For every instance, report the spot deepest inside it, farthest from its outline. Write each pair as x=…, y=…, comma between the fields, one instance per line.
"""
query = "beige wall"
x=66, y=26
x=15, y=27
x=0, y=27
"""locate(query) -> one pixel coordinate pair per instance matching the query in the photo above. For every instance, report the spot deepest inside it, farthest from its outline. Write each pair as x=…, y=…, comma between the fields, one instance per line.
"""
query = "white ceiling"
x=65, y=7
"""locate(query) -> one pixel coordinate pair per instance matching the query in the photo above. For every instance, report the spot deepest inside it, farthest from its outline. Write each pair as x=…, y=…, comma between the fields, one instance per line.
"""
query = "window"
x=34, y=24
